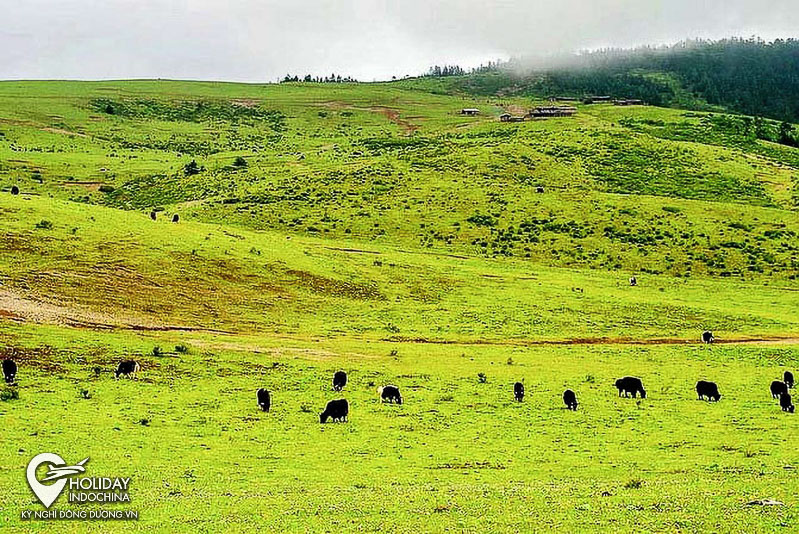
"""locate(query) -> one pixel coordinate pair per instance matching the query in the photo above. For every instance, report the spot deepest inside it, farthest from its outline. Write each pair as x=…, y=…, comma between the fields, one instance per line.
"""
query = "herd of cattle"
x=338, y=410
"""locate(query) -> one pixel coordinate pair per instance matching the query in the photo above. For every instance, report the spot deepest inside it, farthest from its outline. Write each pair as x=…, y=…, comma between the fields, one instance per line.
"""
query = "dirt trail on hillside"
x=774, y=340
x=21, y=308
x=24, y=309
x=391, y=114
x=394, y=116
x=64, y=132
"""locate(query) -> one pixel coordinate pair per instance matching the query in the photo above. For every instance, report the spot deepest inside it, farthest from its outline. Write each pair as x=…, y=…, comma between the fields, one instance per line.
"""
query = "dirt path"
x=64, y=132
x=394, y=116
x=772, y=340
x=17, y=307
x=391, y=114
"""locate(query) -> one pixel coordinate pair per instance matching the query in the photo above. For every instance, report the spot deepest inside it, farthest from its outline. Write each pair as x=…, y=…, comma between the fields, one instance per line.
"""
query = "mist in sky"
x=263, y=40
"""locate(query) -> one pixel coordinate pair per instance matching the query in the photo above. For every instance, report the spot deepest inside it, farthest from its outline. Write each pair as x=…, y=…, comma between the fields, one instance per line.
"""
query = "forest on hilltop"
x=748, y=76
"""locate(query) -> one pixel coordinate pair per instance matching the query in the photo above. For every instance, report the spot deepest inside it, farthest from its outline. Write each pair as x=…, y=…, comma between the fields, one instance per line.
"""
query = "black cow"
x=707, y=337
x=9, y=371
x=339, y=380
x=153, y=215
x=539, y=189
x=337, y=410
x=778, y=388
x=175, y=218
x=633, y=281
x=570, y=399
x=630, y=384
x=785, y=403
x=264, y=399
x=518, y=391
x=391, y=394
x=707, y=389
x=127, y=368
x=14, y=190
x=788, y=379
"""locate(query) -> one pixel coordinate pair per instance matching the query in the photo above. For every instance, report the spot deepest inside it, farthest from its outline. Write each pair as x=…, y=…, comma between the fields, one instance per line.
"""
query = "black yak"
x=153, y=215
x=778, y=388
x=337, y=410
x=539, y=189
x=339, y=380
x=14, y=190
x=570, y=399
x=630, y=384
x=633, y=281
x=9, y=371
x=785, y=403
x=264, y=399
x=707, y=389
x=788, y=379
x=518, y=391
x=127, y=368
x=390, y=394
x=175, y=218
x=707, y=337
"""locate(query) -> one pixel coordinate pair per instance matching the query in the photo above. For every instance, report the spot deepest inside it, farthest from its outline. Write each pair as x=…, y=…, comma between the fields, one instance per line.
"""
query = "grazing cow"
x=337, y=410
x=707, y=337
x=127, y=368
x=630, y=384
x=518, y=391
x=390, y=394
x=778, y=388
x=14, y=190
x=785, y=403
x=570, y=399
x=339, y=380
x=539, y=189
x=153, y=215
x=633, y=281
x=264, y=399
x=9, y=371
x=175, y=218
x=707, y=389
x=788, y=379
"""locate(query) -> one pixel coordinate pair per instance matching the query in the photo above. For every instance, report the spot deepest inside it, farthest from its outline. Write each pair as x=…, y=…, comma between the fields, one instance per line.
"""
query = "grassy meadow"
x=373, y=229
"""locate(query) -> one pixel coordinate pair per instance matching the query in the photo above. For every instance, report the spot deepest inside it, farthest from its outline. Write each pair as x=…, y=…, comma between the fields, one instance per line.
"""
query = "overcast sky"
x=261, y=40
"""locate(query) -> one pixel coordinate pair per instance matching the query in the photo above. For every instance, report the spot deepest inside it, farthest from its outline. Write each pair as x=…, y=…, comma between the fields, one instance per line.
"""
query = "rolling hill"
x=373, y=228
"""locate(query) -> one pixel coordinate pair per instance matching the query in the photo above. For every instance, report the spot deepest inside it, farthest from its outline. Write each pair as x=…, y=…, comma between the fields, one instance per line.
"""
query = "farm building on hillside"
x=563, y=99
x=470, y=111
x=545, y=112
x=507, y=117
x=596, y=99
x=628, y=102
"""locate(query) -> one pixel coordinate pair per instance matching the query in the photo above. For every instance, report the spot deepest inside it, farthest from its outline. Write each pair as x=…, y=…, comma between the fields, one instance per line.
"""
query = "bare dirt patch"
x=246, y=102
x=64, y=132
x=394, y=116
x=24, y=308
x=89, y=186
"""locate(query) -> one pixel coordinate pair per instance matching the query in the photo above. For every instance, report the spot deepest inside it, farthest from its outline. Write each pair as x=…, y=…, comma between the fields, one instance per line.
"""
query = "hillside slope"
x=93, y=267
x=639, y=189
x=373, y=229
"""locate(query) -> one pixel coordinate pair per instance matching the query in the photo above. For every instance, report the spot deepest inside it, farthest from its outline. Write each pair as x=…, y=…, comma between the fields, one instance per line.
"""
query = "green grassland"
x=392, y=164
x=374, y=229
